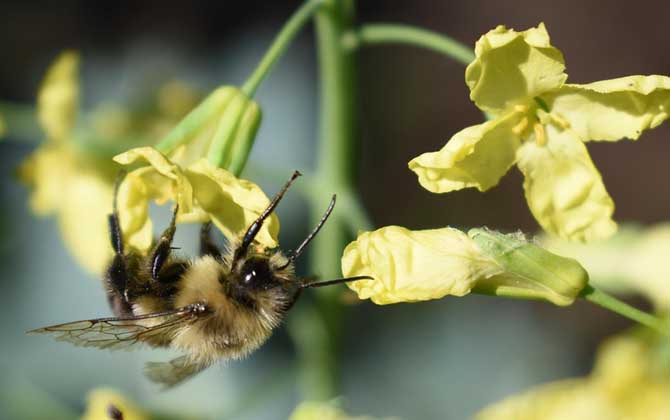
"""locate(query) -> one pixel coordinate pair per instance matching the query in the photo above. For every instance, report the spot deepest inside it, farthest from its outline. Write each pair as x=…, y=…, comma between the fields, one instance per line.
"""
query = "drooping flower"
x=410, y=266
x=632, y=261
x=631, y=380
x=71, y=175
x=107, y=404
x=203, y=192
x=540, y=123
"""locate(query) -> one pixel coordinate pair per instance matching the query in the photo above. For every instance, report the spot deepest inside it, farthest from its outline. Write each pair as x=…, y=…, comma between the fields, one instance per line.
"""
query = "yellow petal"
x=613, y=109
x=563, y=188
x=512, y=67
x=567, y=399
x=58, y=98
x=233, y=204
x=79, y=195
x=409, y=266
x=102, y=401
x=477, y=156
x=631, y=380
x=202, y=191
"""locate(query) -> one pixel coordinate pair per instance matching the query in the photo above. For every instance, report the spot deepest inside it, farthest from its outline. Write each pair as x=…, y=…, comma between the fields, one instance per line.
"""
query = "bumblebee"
x=220, y=306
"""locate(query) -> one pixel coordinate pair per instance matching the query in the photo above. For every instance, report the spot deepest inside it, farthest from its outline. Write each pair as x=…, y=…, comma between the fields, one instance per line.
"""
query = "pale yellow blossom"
x=540, y=123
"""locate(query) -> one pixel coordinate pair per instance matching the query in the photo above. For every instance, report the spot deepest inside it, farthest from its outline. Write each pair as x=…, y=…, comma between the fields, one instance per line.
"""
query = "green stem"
x=281, y=42
x=613, y=304
x=317, y=329
x=386, y=33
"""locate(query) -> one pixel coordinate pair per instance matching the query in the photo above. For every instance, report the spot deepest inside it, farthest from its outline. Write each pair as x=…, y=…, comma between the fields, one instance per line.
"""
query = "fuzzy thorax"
x=231, y=330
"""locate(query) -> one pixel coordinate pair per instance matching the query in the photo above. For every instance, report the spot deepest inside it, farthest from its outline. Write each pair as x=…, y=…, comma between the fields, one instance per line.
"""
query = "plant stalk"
x=613, y=304
x=318, y=328
x=386, y=33
x=292, y=27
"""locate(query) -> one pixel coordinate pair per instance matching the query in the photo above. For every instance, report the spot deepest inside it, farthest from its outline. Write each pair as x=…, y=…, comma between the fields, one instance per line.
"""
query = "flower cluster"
x=540, y=123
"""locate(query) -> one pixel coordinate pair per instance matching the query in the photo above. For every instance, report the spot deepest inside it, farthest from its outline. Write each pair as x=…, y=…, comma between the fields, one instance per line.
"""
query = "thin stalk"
x=386, y=33
x=613, y=304
x=282, y=41
x=317, y=329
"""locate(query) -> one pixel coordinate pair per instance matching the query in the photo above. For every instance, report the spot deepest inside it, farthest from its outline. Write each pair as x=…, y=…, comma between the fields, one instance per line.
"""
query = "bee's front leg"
x=163, y=247
x=207, y=245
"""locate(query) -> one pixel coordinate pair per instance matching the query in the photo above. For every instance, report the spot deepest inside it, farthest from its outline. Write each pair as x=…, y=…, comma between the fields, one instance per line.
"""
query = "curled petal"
x=613, y=109
x=231, y=203
x=512, y=67
x=203, y=192
x=564, y=189
x=477, y=156
x=58, y=98
x=409, y=266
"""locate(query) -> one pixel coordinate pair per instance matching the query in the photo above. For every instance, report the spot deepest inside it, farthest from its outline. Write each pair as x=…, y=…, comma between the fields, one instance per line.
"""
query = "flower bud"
x=222, y=128
x=530, y=271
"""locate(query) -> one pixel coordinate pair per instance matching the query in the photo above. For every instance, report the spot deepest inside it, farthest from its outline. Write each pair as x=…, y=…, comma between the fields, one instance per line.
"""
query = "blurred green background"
x=441, y=359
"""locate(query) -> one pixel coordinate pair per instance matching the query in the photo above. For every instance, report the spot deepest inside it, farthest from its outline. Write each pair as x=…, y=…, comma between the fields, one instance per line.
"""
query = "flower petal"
x=202, y=191
x=233, y=204
x=512, y=67
x=58, y=98
x=613, y=109
x=563, y=188
x=410, y=266
x=80, y=196
x=477, y=156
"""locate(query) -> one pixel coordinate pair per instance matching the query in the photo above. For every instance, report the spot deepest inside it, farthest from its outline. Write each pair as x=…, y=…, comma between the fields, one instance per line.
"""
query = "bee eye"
x=256, y=274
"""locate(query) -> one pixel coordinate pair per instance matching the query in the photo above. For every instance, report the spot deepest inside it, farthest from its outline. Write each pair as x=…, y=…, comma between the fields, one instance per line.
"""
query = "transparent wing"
x=171, y=373
x=124, y=333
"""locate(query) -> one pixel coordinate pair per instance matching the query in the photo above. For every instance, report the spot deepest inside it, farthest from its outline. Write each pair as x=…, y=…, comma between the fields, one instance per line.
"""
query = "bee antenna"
x=295, y=254
x=335, y=281
x=255, y=227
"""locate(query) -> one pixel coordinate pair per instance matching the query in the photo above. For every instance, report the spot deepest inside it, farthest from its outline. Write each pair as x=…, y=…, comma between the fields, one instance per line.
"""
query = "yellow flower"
x=203, y=191
x=540, y=123
x=65, y=182
x=105, y=404
x=78, y=191
x=71, y=175
x=312, y=410
x=632, y=261
x=58, y=98
x=631, y=381
x=410, y=266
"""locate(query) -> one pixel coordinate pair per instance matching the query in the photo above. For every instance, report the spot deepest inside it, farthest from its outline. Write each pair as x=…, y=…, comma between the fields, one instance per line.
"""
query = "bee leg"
x=162, y=250
x=116, y=278
x=207, y=245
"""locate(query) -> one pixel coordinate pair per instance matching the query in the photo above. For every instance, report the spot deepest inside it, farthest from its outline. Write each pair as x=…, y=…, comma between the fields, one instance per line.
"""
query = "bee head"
x=255, y=273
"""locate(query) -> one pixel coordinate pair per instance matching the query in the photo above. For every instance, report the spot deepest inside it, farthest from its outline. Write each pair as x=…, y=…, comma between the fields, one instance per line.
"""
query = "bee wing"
x=173, y=372
x=123, y=333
